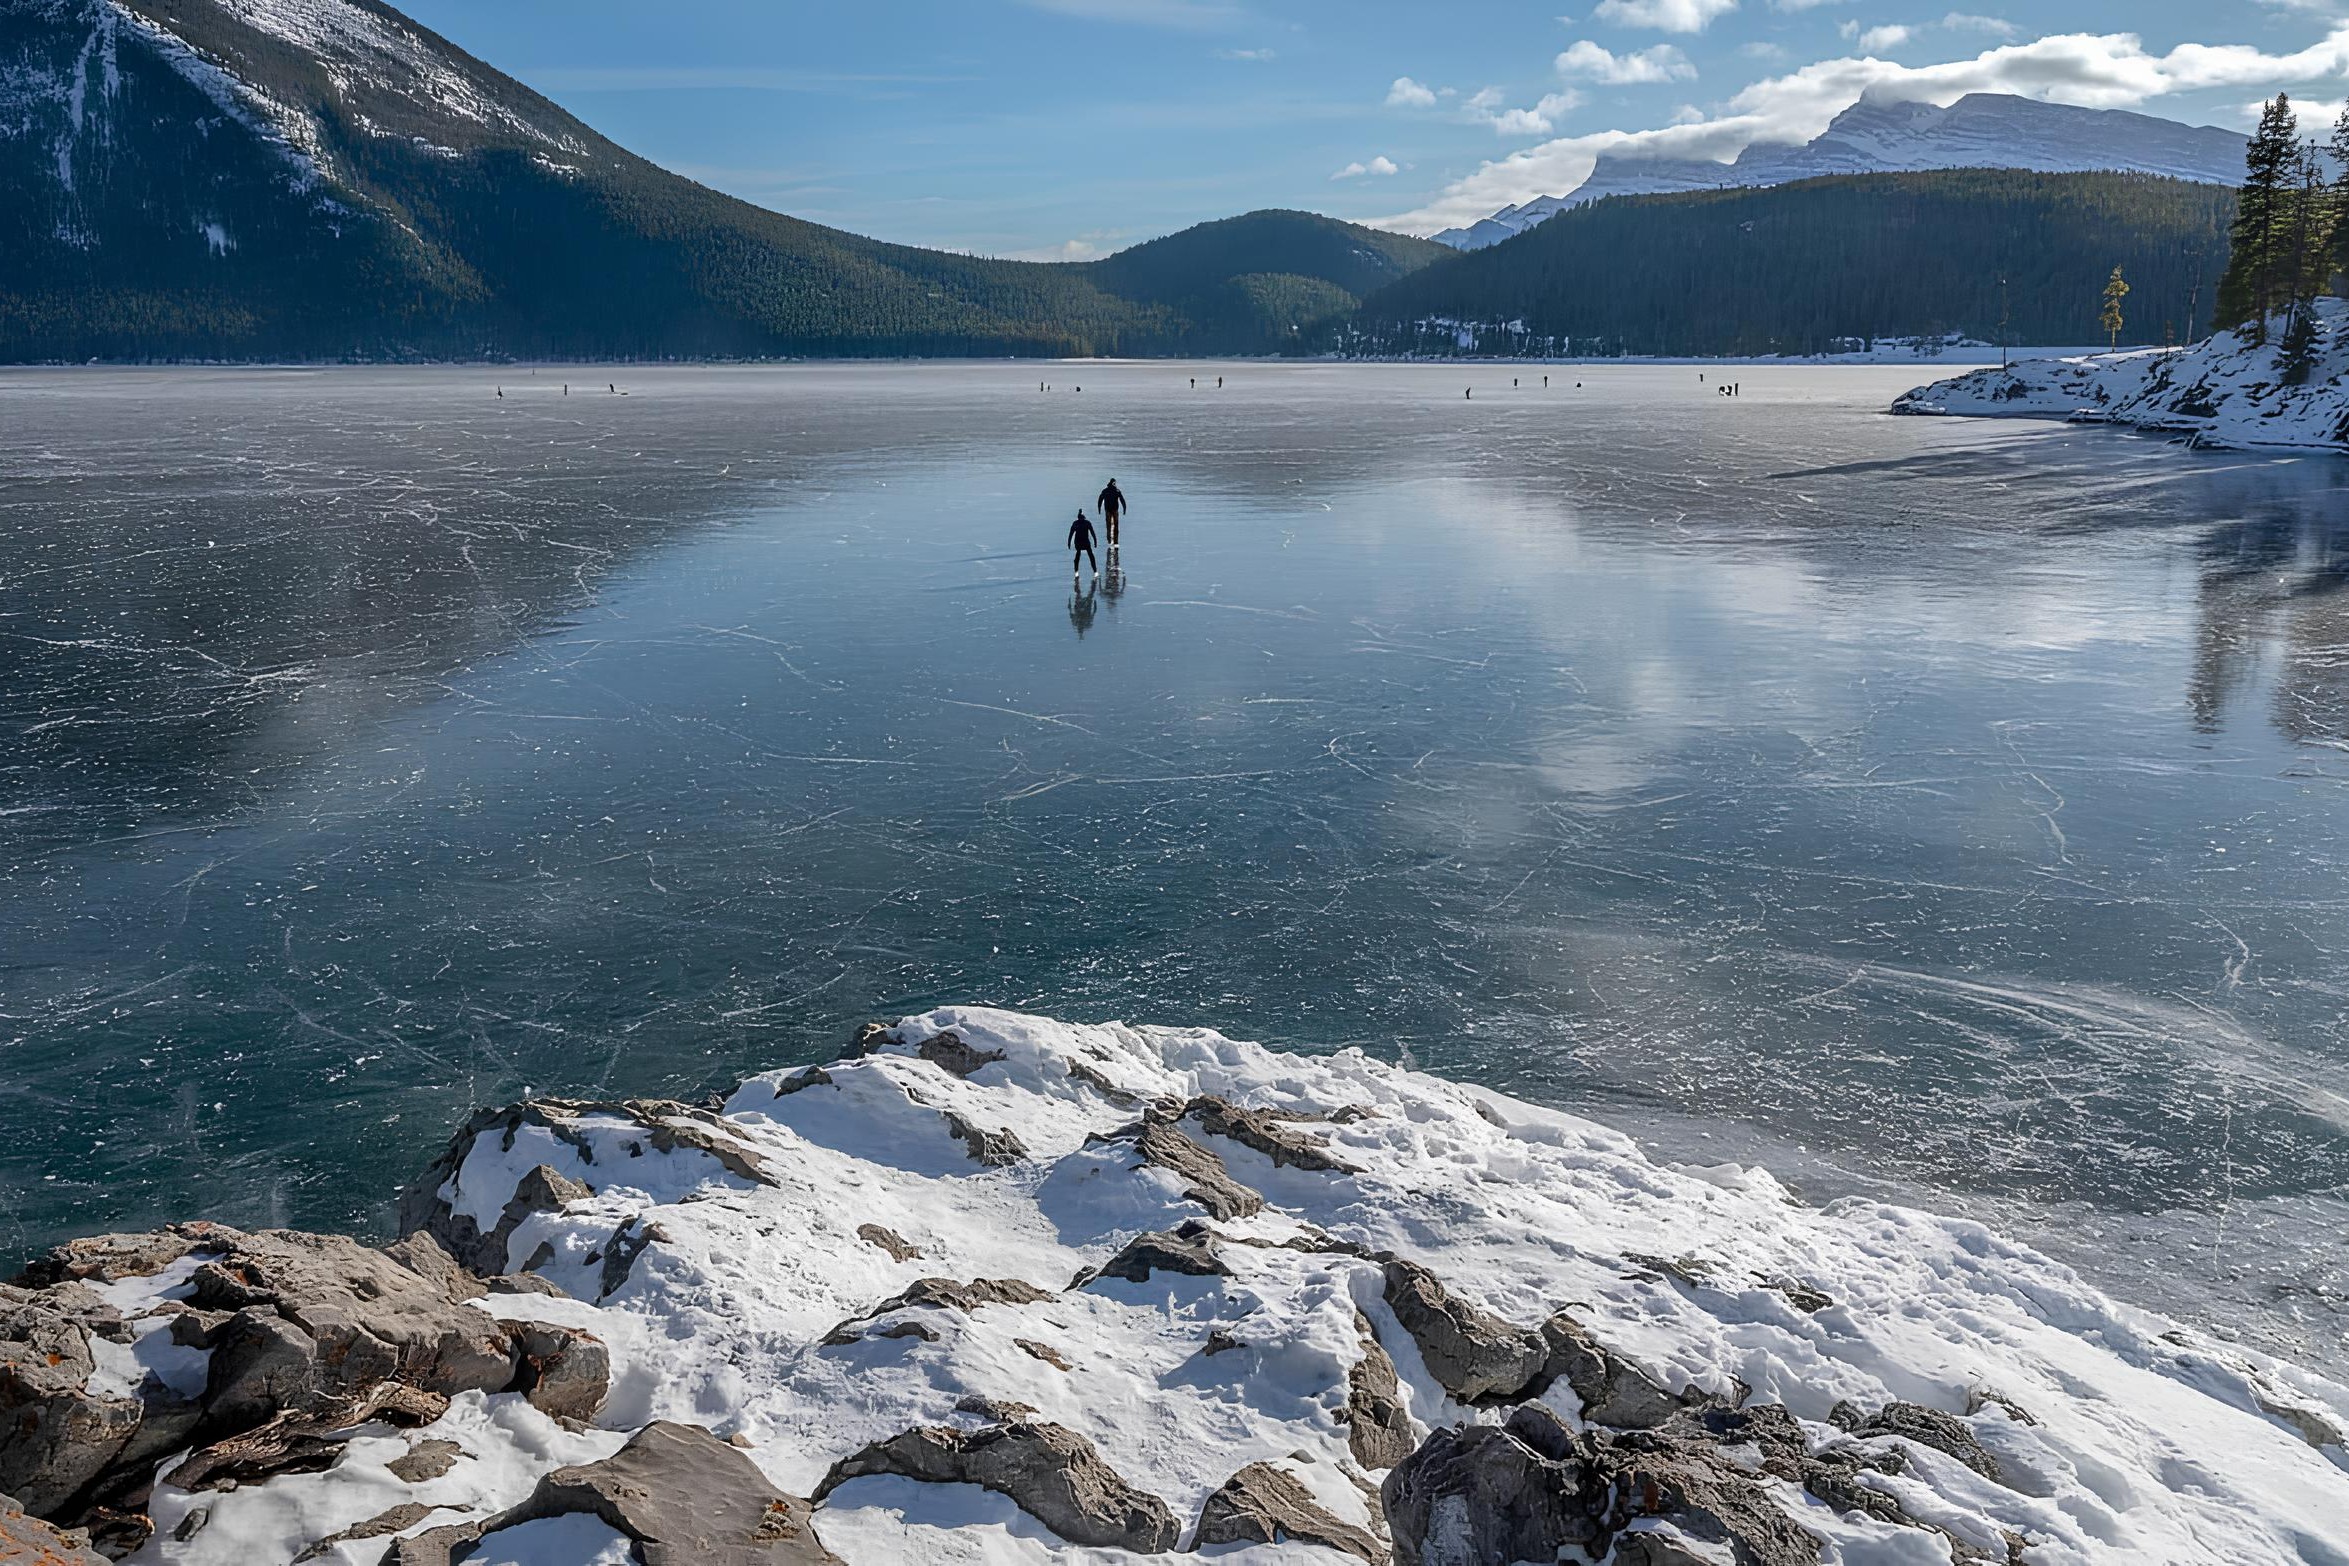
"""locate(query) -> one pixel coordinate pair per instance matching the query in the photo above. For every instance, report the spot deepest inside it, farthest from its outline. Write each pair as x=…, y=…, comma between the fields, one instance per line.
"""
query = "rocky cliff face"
x=995, y=1289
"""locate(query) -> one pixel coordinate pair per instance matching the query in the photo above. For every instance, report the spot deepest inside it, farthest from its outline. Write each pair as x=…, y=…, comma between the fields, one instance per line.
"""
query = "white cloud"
x=1875, y=40
x=1068, y=250
x=1968, y=22
x=2098, y=71
x=1408, y=94
x=1539, y=120
x=2316, y=115
x=1594, y=62
x=1378, y=167
x=1256, y=56
x=1762, y=49
x=1671, y=16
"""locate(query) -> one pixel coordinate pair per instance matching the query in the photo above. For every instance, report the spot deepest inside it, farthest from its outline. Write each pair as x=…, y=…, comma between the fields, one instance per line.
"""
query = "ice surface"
x=1928, y=808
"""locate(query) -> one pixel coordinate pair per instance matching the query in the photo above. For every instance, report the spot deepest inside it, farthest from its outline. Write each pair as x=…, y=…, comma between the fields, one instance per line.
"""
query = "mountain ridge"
x=1823, y=265
x=313, y=179
x=1883, y=136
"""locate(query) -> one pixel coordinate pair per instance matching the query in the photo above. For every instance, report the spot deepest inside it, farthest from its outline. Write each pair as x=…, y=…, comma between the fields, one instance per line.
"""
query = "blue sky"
x=1067, y=128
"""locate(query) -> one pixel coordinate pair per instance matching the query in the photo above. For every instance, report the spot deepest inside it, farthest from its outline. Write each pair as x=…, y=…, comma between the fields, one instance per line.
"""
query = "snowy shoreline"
x=2225, y=391
x=997, y=1288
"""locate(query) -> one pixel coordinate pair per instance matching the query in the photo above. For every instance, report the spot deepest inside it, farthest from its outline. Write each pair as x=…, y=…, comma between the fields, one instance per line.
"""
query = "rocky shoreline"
x=998, y=1288
x=2226, y=391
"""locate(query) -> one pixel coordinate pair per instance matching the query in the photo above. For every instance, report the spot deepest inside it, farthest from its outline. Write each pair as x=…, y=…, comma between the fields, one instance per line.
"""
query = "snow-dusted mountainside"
x=327, y=179
x=1980, y=130
x=2226, y=391
x=1002, y=1289
x=97, y=90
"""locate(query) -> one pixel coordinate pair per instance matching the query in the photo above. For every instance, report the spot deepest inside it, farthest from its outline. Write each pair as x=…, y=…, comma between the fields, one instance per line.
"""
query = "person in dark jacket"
x=1113, y=506
x=1080, y=540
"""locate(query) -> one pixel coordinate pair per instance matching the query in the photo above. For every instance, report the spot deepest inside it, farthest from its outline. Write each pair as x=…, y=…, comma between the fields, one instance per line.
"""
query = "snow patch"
x=2226, y=391
x=143, y=1302
x=294, y=135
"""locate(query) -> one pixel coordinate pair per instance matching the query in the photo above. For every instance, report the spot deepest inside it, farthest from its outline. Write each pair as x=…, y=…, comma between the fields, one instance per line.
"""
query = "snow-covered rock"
x=2225, y=391
x=1005, y=1289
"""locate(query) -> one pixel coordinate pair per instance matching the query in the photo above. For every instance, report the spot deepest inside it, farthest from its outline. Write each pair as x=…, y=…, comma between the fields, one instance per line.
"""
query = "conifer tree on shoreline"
x=2309, y=252
x=2289, y=238
x=2116, y=289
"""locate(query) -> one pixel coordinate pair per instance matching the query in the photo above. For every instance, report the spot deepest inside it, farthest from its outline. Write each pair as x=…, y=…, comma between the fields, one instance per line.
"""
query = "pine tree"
x=2116, y=289
x=2308, y=251
x=2339, y=148
x=2298, y=354
x=2247, y=294
x=2321, y=209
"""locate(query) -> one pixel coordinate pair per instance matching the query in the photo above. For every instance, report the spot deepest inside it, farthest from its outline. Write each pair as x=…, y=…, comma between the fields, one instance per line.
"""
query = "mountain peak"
x=1883, y=134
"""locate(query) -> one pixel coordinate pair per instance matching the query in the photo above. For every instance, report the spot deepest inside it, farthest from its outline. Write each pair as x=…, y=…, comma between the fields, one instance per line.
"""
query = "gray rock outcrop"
x=57, y=1437
x=1530, y=1488
x=28, y=1541
x=1188, y=1248
x=1613, y=1390
x=1473, y=1354
x=1262, y=1504
x=1944, y=1433
x=1047, y=1470
x=1378, y=1428
x=678, y=1493
x=996, y=1148
x=1267, y=1131
x=306, y=1336
x=1205, y=1180
x=667, y=1127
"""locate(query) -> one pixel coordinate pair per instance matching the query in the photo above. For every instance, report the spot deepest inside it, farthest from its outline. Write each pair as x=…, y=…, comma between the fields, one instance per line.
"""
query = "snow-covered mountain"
x=91, y=87
x=1980, y=130
x=307, y=179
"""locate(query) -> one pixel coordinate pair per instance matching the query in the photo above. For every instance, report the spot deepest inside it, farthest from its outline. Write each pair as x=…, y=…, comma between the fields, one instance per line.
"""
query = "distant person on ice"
x=1080, y=540
x=1113, y=506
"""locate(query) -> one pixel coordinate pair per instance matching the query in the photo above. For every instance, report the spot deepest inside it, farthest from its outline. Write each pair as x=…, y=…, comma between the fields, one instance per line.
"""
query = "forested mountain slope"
x=1805, y=267
x=325, y=178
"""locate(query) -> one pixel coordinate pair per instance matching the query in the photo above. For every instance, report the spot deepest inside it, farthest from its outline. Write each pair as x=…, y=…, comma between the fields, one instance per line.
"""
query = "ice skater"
x=1113, y=506
x=1080, y=543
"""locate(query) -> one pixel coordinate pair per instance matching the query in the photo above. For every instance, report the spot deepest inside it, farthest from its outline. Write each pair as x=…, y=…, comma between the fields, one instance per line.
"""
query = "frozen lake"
x=1947, y=810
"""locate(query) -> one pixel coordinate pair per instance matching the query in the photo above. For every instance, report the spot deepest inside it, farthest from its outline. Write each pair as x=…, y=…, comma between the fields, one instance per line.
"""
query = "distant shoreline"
x=1971, y=358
